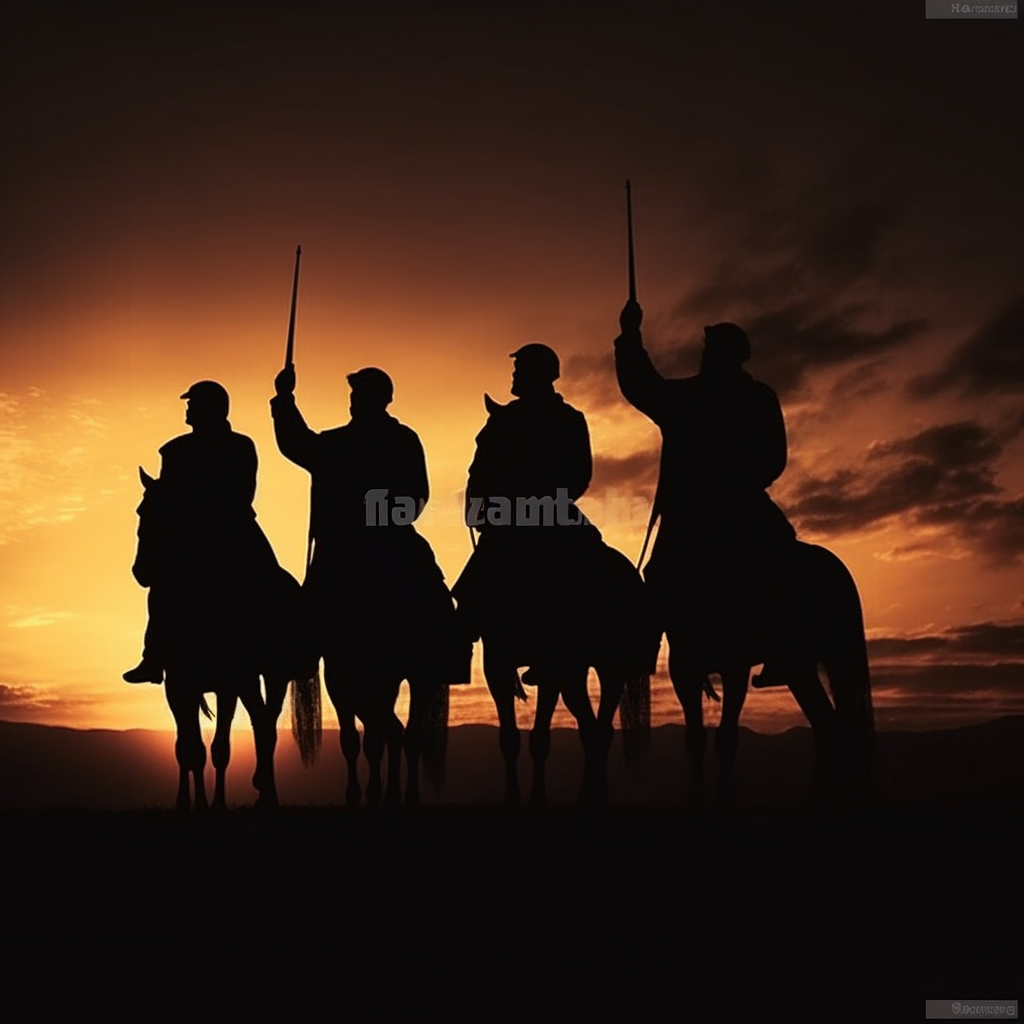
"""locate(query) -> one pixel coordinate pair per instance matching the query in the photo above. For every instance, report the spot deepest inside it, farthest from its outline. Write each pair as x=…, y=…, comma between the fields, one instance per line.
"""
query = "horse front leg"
x=220, y=748
x=503, y=682
x=394, y=735
x=189, y=751
x=735, y=682
x=688, y=681
x=382, y=732
x=339, y=689
x=264, y=715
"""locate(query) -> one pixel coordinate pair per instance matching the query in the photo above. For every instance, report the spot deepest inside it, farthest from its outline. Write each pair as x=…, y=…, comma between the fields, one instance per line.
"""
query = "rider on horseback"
x=208, y=481
x=540, y=583
x=369, y=485
x=532, y=463
x=716, y=563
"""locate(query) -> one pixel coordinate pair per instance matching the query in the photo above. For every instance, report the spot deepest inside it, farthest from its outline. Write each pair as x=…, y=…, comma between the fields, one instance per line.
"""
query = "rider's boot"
x=147, y=671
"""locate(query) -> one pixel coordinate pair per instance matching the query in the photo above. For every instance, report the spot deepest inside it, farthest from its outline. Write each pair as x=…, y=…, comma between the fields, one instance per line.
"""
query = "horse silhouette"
x=606, y=628
x=211, y=647
x=824, y=627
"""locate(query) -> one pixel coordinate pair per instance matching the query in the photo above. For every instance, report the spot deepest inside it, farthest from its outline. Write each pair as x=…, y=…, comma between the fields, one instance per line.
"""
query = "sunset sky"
x=842, y=180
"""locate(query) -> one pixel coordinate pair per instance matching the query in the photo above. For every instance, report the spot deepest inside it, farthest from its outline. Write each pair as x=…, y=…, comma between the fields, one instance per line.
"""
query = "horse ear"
x=491, y=405
x=145, y=477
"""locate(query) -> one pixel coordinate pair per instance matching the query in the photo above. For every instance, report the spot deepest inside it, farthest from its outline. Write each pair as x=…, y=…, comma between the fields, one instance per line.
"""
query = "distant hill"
x=43, y=767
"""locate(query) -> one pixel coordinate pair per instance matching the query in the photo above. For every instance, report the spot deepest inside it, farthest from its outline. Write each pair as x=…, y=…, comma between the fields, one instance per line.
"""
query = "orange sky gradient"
x=455, y=181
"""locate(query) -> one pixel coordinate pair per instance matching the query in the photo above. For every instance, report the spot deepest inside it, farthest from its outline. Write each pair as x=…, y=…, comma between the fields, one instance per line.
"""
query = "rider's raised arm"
x=295, y=440
x=640, y=383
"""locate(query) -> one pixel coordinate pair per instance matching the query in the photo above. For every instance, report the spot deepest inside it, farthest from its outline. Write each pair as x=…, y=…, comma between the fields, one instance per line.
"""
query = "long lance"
x=632, y=298
x=629, y=236
x=289, y=352
x=289, y=360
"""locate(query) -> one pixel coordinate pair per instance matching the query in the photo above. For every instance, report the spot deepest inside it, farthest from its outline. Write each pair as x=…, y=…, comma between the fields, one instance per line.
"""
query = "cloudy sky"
x=845, y=183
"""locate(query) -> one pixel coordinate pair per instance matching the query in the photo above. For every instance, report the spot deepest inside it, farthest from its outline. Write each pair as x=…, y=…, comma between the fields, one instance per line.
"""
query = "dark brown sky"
x=843, y=182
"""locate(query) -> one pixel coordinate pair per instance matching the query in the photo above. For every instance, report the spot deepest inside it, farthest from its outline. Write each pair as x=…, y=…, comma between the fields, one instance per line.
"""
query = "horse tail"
x=307, y=717
x=845, y=657
x=204, y=707
x=635, y=716
x=434, y=739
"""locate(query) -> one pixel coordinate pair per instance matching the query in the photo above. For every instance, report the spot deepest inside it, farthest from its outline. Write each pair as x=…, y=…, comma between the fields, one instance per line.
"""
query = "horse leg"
x=383, y=731
x=394, y=733
x=596, y=742
x=189, y=751
x=688, y=682
x=420, y=696
x=540, y=738
x=426, y=736
x=338, y=689
x=735, y=681
x=264, y=715
x=814, y=703
x=220, y=748
x=501, y=679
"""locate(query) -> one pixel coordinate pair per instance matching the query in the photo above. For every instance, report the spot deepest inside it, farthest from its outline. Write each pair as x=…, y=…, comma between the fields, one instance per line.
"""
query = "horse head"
x=144, y=566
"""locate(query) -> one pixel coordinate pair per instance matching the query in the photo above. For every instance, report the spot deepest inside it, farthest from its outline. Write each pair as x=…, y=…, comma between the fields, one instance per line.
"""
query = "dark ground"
x=927, y=882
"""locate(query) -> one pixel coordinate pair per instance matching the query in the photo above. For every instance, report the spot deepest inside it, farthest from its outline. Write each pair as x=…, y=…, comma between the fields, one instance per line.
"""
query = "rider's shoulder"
x=243, y=443
x=177, y=445
x=404, y=434
x=765, y=392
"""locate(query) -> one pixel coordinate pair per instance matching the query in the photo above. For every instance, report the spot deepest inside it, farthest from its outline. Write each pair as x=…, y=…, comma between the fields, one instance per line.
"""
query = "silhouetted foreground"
x=932, y=874
x=782, y=887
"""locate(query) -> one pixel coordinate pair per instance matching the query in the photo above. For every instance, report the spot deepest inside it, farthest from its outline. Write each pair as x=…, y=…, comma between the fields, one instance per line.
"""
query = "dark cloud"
x=944, y=476
x=962, y=671
x=990, y=362
x=802, y=249
x=1000, y=642
x=637, y=472
x=590, y=380
x=945, y=695
x=793, y=341
x=956, y=679
x=16, y=700
x=939, y=467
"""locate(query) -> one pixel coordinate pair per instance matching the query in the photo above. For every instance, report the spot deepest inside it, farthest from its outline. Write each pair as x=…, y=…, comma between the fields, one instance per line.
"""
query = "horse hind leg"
x=821, y=715
x=503, y=684
x=540, y=740
x=689, y=682
x=595, y=735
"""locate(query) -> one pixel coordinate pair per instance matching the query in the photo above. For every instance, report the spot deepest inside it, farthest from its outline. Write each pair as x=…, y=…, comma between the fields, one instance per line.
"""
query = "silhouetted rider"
x=723, y=445
x=535, y=446
x=521, y=589
x=378, y=595
x=207, y=484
